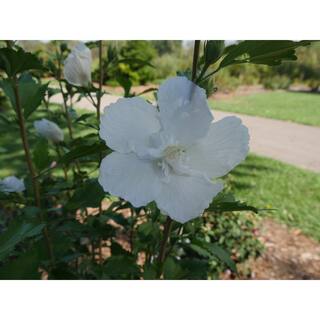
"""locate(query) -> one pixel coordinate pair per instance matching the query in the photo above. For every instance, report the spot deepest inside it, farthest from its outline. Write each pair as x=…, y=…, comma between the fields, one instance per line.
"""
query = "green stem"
x=203, y=71
x=195, y=59
x=65, y=171
x=100, y=80
x=32, y=170
x=58, y=55
x=66, y=111
x=166, y=234
x=132, y=228
x=98, y=118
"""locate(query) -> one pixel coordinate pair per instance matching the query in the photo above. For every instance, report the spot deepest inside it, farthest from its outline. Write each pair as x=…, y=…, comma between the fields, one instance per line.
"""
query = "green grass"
x=297, y=107
x=293, y=192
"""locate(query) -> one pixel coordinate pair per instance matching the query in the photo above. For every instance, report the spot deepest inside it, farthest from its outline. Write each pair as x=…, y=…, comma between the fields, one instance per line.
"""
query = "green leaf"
x=172, y=270
x=41, y=156
x=62, y=271
x=195, y=269
x=116, y=217
x=7, y=87
x=268, y=52
x=117, y=250
x=149, y=271
x=222, y=254
x=84, y=117
x=18, y=231
x=17, y=61
x=200, y=251
x=207, y=250
x=226, y=202
x=213, y=50
x=31, y=93
x=121, y=266
x=82, y=151
x=90, y=194
x=4, y=119
x=136, y=61
x=125, y=83
x=26, y=266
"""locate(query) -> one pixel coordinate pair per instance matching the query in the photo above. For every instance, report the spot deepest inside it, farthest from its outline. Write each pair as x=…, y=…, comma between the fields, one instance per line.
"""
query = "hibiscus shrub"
x=122, y=195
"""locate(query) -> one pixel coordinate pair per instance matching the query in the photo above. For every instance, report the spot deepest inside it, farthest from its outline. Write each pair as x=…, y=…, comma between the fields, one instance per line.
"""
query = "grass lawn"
x=293, y=192
x=290, y=106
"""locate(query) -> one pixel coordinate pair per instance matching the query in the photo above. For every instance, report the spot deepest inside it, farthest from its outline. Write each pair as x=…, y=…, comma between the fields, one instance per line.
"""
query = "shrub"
x=138, y=55
x=277, y=82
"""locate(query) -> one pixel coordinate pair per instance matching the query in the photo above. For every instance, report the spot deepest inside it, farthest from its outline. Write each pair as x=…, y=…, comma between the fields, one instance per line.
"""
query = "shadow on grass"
x=243, y=176
x=316, y=92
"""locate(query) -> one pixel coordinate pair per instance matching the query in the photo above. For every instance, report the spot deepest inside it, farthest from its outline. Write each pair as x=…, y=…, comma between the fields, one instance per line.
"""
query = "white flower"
x=12, y=184
x=170, y=156
x=49, y=130
x=77, y=66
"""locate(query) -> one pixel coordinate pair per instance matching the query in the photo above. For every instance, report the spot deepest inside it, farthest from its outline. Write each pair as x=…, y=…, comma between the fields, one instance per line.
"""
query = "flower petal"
x=186, y=197
x=49, y=130
x=184, y=110
x=12, y=184
x=225, y=146
x=127, y=124
x=77, y=68
x=128, y=177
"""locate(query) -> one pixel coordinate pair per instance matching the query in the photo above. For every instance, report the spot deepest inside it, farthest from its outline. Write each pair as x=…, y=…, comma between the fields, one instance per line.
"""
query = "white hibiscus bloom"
x=12, y=184
x=172, y=156
x=49, y=130
x=77, y=66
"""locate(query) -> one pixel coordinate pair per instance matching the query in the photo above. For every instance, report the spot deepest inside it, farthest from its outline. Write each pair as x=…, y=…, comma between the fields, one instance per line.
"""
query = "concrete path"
x=289, y=142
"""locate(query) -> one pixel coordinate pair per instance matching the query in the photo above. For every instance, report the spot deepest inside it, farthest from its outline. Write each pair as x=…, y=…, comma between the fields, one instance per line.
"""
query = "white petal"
x=185, y=197
x=184, y=109
x=128, y=177
x=127, y=125
x=77, y=66
x=12, y=184
x=49, y=130
x=225, y=146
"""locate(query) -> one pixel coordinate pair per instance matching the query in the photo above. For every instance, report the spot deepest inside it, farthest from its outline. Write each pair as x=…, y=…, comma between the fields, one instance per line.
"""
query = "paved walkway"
x=292, y=143
x=289, y=142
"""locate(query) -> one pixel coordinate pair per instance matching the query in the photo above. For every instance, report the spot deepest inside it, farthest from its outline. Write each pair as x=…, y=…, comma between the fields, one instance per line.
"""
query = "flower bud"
x=49, y=130
x=77, y=66
x=12, y=184
x=213, y=50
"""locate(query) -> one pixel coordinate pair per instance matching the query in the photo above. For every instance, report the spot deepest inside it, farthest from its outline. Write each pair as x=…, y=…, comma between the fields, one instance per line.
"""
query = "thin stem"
x=100, y=80
x=132, y=228
x=179, y=233
x=58, y=55
x=100, y=251
x=65, y=171
x=195, y=59
x=203, y=71
x=66, y=111
x=166, y=234
x=32, y=170
x=98, y=118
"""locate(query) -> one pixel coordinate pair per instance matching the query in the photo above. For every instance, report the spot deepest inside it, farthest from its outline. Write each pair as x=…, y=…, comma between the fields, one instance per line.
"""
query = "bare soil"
x=288, y=254
x=238, y=92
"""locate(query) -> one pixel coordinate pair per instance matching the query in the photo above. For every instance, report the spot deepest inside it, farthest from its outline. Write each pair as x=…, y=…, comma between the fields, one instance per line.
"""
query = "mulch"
x=288, y=255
